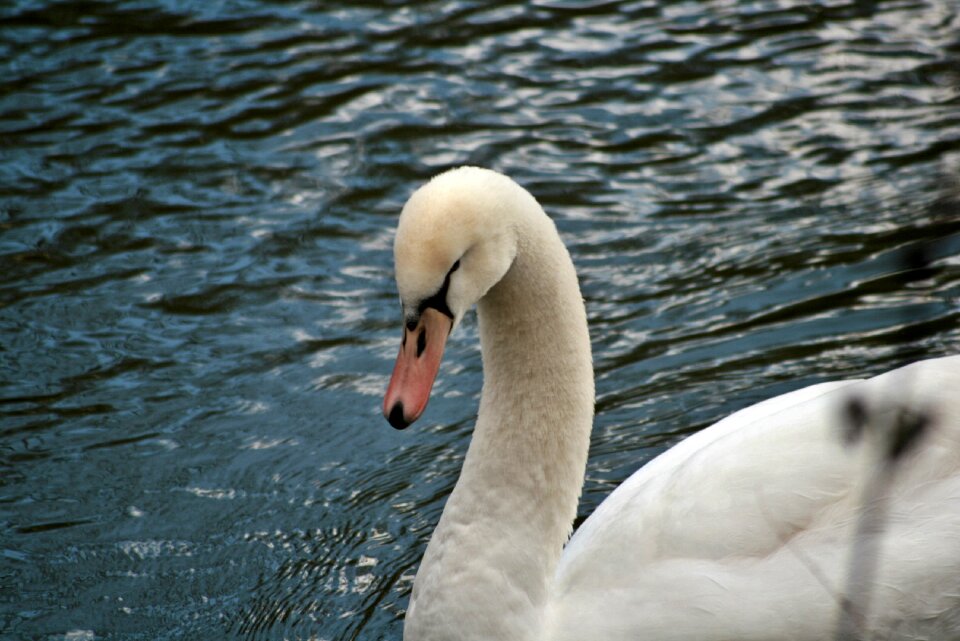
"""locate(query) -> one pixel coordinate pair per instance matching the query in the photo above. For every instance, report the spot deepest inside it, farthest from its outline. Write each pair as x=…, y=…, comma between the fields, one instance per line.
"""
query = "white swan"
x=740, y=532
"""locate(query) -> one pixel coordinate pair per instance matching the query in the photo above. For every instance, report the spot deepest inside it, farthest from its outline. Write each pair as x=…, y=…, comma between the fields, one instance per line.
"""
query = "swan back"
x=761, y=509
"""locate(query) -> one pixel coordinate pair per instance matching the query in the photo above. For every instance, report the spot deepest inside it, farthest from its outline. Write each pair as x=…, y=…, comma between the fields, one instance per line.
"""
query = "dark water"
x=197, y=316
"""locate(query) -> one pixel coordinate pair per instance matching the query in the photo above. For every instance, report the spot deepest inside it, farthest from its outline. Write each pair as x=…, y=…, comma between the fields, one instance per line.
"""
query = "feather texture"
x=745, y=530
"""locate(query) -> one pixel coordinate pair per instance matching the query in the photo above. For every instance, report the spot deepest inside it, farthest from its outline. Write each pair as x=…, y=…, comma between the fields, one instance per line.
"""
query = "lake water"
x=197, y=312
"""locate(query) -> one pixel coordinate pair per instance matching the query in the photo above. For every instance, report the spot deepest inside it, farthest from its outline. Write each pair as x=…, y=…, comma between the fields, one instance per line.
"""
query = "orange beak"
x=417, y=365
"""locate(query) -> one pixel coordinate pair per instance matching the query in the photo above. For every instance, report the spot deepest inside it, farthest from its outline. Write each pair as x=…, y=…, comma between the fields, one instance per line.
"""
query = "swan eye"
x=439, y=300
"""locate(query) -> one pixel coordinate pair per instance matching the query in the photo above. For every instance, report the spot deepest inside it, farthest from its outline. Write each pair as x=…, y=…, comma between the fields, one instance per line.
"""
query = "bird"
x=746, y=530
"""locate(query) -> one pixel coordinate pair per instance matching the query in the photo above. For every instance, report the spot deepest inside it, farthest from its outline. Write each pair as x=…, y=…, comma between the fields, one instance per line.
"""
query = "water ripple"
x=196, y=313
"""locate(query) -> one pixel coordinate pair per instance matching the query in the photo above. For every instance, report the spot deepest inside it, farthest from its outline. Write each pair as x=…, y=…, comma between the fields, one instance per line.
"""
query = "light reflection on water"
x=196, y=313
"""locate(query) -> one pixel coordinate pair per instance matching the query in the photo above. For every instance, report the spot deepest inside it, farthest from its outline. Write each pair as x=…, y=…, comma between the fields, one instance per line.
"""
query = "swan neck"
x=493, y=555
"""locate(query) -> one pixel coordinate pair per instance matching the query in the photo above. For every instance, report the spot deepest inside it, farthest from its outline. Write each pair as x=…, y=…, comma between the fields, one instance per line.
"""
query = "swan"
x=742, y=531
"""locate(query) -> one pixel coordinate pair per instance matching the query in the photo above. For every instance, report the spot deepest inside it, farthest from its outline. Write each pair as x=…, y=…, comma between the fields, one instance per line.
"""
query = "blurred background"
x=197, y=312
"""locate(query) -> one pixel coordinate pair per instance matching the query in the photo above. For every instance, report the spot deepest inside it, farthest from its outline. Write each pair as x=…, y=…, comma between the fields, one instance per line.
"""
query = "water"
x=197, y=317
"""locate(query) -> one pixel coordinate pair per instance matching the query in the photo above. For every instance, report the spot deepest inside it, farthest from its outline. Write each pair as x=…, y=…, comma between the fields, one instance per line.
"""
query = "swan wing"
x=746, y=525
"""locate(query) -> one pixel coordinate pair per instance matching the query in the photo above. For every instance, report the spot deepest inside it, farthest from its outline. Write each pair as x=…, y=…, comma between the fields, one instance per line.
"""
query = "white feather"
x=742, y=531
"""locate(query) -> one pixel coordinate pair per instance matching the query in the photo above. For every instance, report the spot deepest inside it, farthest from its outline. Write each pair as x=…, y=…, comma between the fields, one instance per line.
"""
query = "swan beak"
x=417, y=365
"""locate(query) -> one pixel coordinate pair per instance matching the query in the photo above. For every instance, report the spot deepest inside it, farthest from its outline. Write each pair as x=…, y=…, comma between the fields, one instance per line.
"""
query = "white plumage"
x=742, y=531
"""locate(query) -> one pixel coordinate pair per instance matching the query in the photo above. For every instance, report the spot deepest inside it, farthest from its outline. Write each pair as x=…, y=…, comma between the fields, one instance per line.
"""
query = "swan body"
x=744, y=530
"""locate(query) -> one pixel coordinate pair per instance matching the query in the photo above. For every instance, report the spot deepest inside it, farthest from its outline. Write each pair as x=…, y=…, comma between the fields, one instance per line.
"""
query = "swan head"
x=455, y=240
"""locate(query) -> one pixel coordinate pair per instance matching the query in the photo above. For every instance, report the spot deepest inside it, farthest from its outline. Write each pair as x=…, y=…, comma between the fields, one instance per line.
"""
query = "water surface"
x=197, y=317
